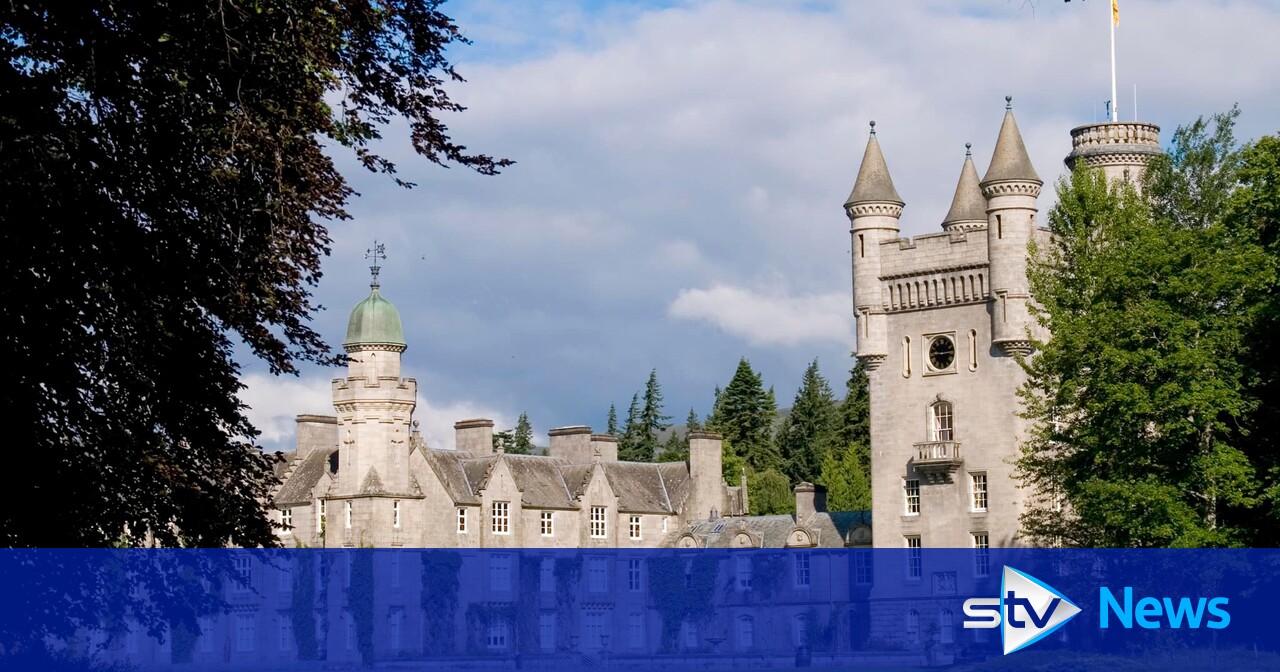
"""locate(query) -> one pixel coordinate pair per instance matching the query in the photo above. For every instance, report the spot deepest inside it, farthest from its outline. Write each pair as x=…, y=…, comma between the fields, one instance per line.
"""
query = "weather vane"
x=376, y=253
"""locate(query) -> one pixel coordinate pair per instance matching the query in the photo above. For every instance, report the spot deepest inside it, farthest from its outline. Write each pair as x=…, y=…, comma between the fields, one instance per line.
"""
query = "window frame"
x=500, y=517
x=911, y=496
x=462, y=520
x=634, y=530
x=599, y=523
x=546, y=523
x=915, y=556
x=979, y=495
x=942, y=420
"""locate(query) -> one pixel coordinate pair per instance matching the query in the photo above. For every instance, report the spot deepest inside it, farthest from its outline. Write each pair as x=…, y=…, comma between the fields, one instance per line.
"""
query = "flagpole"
x=1115, y=102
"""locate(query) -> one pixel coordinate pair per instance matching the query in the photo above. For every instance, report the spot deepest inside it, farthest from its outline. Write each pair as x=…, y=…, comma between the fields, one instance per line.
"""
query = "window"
x=635, y=630
x=744, y=572
x=593, y=629
x=244, y=632
x=496, y=638
x=913, y=626
x=691, y=634
x=597, y=522
x=911, y=489
x=462, y=520
x=206, y=634
x=547, y=631
x=502, y=518
x=286, y=521
x=349, y=624
x=394, y=622
x=800, y=630
x=946, y=627
x=597, y=575
x=978, y=490
x=746, y=633
x=286, y=631
x=321, y=510
x=664, y=525
x=634, y=528
x=545, y=524
x=500, y=573
x=547, y=578
x=633, y=575
x=802, y=570
x=981, y=554
x=688, y=573
x=284, y=576
x=346, y=507
x=395, y=513
x=915, y=559
x=862, y=568
x=940, y=421
x=393, y=568
x=244, y=578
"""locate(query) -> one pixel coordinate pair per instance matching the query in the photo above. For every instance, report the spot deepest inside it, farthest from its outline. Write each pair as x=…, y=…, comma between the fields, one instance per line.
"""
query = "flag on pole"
x=1115, y=12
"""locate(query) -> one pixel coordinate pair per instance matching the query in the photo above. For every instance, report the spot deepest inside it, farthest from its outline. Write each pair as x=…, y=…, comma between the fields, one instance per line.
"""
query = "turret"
x=873, y=209
x=374, y=404
x=1122, y=149
x=968, y=210
x=1011, y=187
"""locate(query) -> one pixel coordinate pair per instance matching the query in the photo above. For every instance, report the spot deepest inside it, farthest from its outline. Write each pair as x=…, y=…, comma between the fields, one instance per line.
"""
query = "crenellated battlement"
x=926, y=253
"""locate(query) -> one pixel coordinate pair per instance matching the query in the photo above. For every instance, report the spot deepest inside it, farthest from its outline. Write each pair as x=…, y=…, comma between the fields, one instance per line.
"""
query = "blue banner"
x=639, y=609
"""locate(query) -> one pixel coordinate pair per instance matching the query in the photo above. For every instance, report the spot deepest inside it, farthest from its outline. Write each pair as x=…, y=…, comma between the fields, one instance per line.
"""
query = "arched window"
x=940, y=419
x=746, y=633
x=946, y=627
x=913, y=626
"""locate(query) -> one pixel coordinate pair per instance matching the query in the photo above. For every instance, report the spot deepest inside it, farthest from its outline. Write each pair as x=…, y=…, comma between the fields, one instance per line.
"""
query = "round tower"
x=1011, y=187
x=1122, y=149
x=873, y=208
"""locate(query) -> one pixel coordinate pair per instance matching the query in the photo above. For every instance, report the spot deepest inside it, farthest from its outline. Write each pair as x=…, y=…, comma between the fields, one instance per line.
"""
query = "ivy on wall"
x=360, y=601
x=567, y=572
x=183, y=645
x=439, y=599
x=681, y=589
x=302, y=607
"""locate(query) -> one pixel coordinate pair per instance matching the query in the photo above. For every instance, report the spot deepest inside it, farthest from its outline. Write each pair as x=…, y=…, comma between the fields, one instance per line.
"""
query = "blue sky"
x=681, y=168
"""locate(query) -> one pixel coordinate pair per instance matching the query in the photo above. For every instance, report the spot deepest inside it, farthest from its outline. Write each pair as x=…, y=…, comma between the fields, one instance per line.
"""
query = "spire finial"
x=873, y=128
x=376, y=253
x=968, y=146
x=1008, y=102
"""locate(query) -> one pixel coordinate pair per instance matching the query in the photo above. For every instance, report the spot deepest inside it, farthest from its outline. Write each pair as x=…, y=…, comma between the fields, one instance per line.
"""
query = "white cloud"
x=274, y=402
x=772, y=318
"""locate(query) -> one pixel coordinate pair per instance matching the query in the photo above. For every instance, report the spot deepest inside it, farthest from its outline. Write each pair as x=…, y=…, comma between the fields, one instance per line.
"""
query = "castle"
x=941, y=322
x=364, y=477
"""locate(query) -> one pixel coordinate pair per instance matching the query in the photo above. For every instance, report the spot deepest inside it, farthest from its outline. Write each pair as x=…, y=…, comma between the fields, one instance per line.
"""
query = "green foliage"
x=1139, y=397
x=164, y=197
x=630, y=444
x=652, y=420
x=611, y=425
x=439, y=599
x=302, y=606
x=769, y=492
x=809, y=431
x=676, y=448
x=360, y=601
x=691, y=424
x=681, y=588
x=847, y=475
x=855, y=410
x=183, y=645
x=744, y=415
x=521, y=437
x=505, y=438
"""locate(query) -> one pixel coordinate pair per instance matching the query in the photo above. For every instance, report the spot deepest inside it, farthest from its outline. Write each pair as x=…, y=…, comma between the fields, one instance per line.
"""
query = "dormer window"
x=940, y=421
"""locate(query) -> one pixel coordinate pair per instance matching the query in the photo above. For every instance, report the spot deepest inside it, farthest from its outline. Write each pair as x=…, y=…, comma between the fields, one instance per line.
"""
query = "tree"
x=744, y=414
x=506, y=439
x=652, y=421
x=1137, y=397
x=810, y=430
x=521, y=437
x=691, y=424
x=676, y=447
x=769, y=492
x=163, y=196
x=855, y=410
x=847, y=475
x=630, y=446
x=611, y=425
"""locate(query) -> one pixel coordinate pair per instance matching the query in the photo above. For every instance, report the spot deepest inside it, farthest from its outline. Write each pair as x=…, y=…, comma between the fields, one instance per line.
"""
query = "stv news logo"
x=1026, y=611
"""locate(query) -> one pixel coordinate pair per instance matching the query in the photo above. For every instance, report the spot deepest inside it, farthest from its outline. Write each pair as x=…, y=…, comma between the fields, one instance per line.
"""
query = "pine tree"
x=710, y=421
x=855, y=410
x=630, y=446
x=692, y=424
x=676, y=447
x=522, y=437
x=652, y=421
x=810, y=430
x=847, y=476
x=744, y=414
x=611, y=426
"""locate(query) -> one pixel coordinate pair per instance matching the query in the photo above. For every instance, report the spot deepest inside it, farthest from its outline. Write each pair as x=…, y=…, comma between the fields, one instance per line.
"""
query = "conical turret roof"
x=968, y=206
x=1010, y=161
x=874, y=185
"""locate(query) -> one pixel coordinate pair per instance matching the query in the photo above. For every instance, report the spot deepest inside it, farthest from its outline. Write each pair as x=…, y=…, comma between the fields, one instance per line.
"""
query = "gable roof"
x=830, y=529
x=297, y=490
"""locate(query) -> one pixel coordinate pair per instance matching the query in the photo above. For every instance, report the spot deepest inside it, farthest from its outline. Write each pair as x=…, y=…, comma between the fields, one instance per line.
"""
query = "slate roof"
x=874, y=183
x=542, y=485
x=448, y=469
x=1010, y=162
x=831, y=529
x=297, y=490
x=968, y=206
x=639, y=486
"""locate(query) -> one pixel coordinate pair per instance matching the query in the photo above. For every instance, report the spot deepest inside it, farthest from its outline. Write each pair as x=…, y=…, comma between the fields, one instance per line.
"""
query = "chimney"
x=705, y=453
x=810, y=499
x=607, y=444
x=475, y=436
x=315, y=432
x=573, y=444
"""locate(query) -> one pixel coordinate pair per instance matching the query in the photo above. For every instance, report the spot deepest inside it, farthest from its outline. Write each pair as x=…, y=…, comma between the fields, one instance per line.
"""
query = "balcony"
x=937, y=457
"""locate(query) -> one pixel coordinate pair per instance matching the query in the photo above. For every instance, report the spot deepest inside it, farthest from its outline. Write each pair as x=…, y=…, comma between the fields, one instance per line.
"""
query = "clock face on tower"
x=942, y=353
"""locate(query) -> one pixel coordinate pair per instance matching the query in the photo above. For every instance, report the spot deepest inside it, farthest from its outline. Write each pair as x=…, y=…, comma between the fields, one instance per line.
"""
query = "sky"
x=681, y=168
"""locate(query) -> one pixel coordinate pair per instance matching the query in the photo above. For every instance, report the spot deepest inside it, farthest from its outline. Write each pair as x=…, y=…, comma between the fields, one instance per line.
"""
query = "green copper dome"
x=374, y=321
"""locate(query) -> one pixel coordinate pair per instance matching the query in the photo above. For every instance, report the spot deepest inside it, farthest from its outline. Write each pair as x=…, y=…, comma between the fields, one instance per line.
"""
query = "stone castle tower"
x=941, y=322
